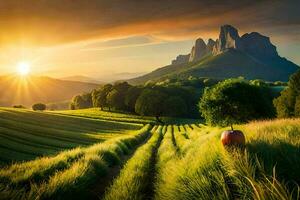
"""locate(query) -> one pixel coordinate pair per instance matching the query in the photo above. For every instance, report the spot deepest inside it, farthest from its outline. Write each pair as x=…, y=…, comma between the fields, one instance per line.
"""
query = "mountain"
x=27, y=91
x=251, y=55
x=80, y=78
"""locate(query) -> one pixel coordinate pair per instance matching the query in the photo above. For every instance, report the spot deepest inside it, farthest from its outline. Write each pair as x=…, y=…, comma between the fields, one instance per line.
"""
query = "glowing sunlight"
x=23, y=68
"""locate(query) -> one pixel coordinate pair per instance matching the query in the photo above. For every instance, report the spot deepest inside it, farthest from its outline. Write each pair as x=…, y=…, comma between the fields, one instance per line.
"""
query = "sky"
x=109, y=39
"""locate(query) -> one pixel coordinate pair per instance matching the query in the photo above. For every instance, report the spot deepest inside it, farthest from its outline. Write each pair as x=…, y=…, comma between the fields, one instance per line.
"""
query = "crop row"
x=191, y=163
x=177, y=162
x=68, y=174
x=95, y=113
x=135, y=179
x=25, y=135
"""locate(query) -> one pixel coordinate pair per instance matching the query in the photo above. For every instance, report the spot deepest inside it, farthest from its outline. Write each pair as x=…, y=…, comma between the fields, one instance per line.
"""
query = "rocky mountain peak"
x=181, y=59
x=254, y=44
x=228, y=38
x=198, y=50
x=210, y=45
x=258, y=46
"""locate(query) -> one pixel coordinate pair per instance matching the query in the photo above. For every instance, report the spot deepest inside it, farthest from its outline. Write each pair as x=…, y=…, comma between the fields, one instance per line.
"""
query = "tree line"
x=148, y=100
x=219, y=102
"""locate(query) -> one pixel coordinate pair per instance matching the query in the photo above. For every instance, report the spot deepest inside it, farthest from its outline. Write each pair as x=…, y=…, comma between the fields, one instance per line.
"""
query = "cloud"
x=51, y=22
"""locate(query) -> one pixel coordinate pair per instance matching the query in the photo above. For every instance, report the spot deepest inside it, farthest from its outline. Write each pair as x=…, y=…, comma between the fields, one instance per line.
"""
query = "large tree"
x=115, y=99
x=175, y=106
x=150, y=103
x=82, y=101
x=131, y=97
x=233, y=102
x=287, y=104
x=99, y=96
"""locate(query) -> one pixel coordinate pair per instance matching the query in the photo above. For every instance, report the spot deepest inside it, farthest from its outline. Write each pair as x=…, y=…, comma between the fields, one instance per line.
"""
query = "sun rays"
x=23, y=68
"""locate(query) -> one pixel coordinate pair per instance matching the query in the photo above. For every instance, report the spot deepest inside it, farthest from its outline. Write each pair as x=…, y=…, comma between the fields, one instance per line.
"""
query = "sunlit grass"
x=268, y=168
x=26, y=134
x=134, y=181
x=189, y=163
x=69, y=174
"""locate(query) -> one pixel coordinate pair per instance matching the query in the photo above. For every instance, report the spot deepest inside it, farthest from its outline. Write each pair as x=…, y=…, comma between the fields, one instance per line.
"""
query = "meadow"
x=25, y=134
x=96, y=113
x=172, y=161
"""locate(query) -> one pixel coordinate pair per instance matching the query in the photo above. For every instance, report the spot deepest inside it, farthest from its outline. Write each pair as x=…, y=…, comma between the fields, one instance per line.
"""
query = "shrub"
x=19, y=106
x=39, y=106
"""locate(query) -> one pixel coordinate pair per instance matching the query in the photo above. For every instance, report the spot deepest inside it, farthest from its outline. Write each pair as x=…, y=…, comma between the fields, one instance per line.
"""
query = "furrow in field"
x=136, y=178
x=8, y=134
x=98, y=189
x=47, y=132
x=39, y=140
x=65, y=122
x=167, y=153
x=181, y=139
x=69, y=174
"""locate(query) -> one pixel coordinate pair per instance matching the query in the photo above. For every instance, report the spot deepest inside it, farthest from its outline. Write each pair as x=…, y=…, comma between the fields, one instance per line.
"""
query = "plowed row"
x=168, y=162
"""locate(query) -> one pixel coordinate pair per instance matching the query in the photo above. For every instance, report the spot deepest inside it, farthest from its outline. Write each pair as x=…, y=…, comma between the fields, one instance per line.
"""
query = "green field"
x=96, y=113
x=25, y=135
x=185, y=161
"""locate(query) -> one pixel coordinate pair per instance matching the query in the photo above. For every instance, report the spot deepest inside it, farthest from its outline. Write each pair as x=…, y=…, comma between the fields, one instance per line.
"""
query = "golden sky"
x=107, y=38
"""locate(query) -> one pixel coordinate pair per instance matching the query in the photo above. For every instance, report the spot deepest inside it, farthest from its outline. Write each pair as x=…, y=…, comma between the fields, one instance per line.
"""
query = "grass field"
x=96, y=113
x=184, y=161
x=25, y=135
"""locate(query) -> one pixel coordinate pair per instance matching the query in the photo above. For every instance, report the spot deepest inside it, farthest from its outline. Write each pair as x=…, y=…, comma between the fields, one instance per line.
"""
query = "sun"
x=23, y=68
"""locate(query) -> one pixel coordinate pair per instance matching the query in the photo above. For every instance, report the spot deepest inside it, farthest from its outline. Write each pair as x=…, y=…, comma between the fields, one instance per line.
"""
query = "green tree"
x=131, y=97
x=175, y=106
x=99, y=96
x=286, y=104
x=233, y=102
x=297, y=107
x=150, y=103
x=39, y=106
x=115, y=99
x=82, y=101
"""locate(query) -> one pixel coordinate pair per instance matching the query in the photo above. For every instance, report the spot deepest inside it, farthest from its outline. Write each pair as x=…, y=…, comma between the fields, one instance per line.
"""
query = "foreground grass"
x=134, y=181
x=189, y=163
x=69, y=174
x=25, y=134
x=268, y=168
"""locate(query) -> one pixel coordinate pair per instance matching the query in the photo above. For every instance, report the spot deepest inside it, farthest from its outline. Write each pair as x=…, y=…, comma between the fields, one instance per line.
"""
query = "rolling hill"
x=252, y=56
x=80, y=78
x=29, y=90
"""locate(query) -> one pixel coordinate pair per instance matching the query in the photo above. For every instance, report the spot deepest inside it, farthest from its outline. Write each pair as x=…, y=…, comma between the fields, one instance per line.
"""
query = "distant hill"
x=27, y=91
x=84, y=79
x=252, y=56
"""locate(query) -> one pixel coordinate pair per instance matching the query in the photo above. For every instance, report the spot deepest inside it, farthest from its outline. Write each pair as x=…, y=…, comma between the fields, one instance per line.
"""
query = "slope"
x=33, y=89
x=231, y=63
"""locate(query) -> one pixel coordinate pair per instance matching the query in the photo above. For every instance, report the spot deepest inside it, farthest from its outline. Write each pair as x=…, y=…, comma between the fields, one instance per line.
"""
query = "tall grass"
x=268, y=168
x=134, y=181
x=167, y=153
x=69, y=174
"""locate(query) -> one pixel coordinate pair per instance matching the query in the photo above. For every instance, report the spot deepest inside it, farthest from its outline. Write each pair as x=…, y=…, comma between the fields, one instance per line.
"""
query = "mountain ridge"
x=250, y=49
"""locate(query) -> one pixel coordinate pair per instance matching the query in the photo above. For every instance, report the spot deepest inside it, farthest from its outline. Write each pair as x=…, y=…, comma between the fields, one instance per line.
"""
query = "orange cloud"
x=53, y=22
